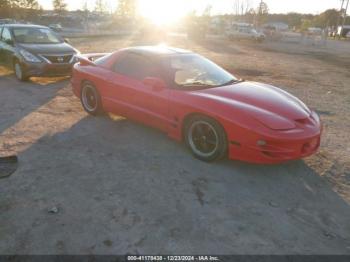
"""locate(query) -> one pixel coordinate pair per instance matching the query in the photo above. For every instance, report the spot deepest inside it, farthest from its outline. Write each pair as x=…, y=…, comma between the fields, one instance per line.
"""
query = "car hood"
x=60, y=48
x=268, y=104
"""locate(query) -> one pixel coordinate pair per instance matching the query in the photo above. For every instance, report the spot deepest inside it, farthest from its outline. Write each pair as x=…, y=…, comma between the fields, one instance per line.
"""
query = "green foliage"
x=327, y=18
x=306, y=23
x=301, y=21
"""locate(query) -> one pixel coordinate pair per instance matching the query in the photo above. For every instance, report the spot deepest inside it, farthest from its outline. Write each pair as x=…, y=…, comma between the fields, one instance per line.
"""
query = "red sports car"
x=194, y=100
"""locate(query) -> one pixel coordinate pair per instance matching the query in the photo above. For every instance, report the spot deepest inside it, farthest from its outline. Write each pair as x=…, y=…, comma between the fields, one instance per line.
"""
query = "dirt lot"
x=122, y=187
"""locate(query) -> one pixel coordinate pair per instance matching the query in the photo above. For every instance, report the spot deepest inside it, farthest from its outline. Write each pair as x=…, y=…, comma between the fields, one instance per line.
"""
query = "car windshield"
x=36, y=36
x=196, y=71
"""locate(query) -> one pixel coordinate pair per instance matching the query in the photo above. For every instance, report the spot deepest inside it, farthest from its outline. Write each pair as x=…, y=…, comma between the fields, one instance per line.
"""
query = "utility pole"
x=344, y=18
x=339, y=17
x=258, y=15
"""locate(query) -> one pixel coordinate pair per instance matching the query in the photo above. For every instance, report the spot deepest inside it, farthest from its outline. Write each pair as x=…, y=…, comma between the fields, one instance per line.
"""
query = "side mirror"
x=66, y=40
x=156, y=84
x=9, y=42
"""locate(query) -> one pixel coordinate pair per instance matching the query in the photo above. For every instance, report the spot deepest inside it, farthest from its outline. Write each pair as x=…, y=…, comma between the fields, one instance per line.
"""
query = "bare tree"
x=100, y=6
x=20, y=9
x=207, y=10
x=59, y=6
x=262, y=13
x=245, y=6
x=241, y=7
x=126, y=8
x=236, y=4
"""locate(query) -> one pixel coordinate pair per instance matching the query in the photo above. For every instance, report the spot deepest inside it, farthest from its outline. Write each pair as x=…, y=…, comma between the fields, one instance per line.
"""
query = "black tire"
x=20, y=72
x=206, y=138
x=90, y=99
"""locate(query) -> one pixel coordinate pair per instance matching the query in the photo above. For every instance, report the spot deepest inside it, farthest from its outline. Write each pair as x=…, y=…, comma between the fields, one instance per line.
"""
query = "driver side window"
x=136, y=66
x=6, y=35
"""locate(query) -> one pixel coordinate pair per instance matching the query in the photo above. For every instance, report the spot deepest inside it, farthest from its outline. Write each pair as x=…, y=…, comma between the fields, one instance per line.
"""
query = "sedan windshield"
x=196, y=71
x=36, y=36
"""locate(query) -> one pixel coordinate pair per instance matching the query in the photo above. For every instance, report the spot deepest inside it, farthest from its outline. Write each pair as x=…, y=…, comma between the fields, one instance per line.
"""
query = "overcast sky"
x=225, y=6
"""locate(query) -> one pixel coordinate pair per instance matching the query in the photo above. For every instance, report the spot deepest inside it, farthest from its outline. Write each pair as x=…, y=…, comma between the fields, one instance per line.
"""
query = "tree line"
x=19, y=9
x=26, y=9
x=242, y=11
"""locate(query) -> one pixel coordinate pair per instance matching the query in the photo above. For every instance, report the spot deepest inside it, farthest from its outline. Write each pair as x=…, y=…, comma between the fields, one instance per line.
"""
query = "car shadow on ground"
x=120, y=187
x=37, y=92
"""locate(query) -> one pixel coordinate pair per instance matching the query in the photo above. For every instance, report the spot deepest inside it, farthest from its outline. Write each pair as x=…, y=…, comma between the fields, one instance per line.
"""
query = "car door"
x=1, y=57
x=7, y=45
x=128, y=94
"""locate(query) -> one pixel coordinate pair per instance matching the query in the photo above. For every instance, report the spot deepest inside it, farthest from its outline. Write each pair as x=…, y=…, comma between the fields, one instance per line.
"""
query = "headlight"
x=29, y=57
x=75, y=59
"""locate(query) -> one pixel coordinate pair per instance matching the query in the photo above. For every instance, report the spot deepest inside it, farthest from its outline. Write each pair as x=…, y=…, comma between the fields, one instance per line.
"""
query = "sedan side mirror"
x=156, y=84
x=66, y=40
x=9, y=42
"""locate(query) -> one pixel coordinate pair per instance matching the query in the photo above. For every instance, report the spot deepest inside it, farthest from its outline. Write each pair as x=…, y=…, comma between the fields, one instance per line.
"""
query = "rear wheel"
x=91, y=99
x=206, y=138
x=20, y=71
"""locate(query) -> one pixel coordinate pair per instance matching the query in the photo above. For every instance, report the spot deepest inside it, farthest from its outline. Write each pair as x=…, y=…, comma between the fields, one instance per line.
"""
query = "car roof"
x=158, y=50
x=24, y=26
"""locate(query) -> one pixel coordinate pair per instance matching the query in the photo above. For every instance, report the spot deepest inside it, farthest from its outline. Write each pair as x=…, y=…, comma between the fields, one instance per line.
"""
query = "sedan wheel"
x=19, y=72
x=206, y=139
x=90, y=99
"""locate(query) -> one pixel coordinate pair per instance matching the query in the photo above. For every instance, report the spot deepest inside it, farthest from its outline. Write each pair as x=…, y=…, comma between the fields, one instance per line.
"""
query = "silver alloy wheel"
x=203, y=138
x=89, y=98
x=18, y=71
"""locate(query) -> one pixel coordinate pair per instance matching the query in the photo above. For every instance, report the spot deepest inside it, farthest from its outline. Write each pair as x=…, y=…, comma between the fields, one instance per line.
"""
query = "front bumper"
x=275, y=150
x=272, y=146
x=46, y=69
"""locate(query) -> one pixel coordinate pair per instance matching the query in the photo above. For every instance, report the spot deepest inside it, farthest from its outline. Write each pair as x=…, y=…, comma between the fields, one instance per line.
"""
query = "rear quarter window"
x=102, y=60
x=137, y=67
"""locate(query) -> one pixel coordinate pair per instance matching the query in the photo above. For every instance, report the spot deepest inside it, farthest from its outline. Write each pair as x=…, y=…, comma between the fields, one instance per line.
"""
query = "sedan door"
x=7, y=46
x=1, y=46
x=126, y=93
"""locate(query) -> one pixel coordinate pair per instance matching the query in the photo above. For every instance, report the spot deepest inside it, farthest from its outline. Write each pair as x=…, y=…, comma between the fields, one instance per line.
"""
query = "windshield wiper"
x=196, y=84
x=233, y=81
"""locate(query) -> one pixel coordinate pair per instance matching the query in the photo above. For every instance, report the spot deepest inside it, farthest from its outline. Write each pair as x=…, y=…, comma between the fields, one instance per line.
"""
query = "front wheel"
x=206, y=138
x=91, y=99
x=20, y=72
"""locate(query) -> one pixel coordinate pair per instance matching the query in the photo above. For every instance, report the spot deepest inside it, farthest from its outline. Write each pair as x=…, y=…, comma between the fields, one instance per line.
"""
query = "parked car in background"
x=56, y=27
x=314, y=31
x=7, y=21
x=343, y=31
x=245, y=32
x=35, y=50
x=194, y=100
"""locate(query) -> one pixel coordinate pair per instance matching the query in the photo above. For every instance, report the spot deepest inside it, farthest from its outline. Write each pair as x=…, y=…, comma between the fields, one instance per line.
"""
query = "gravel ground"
x=107, y=185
